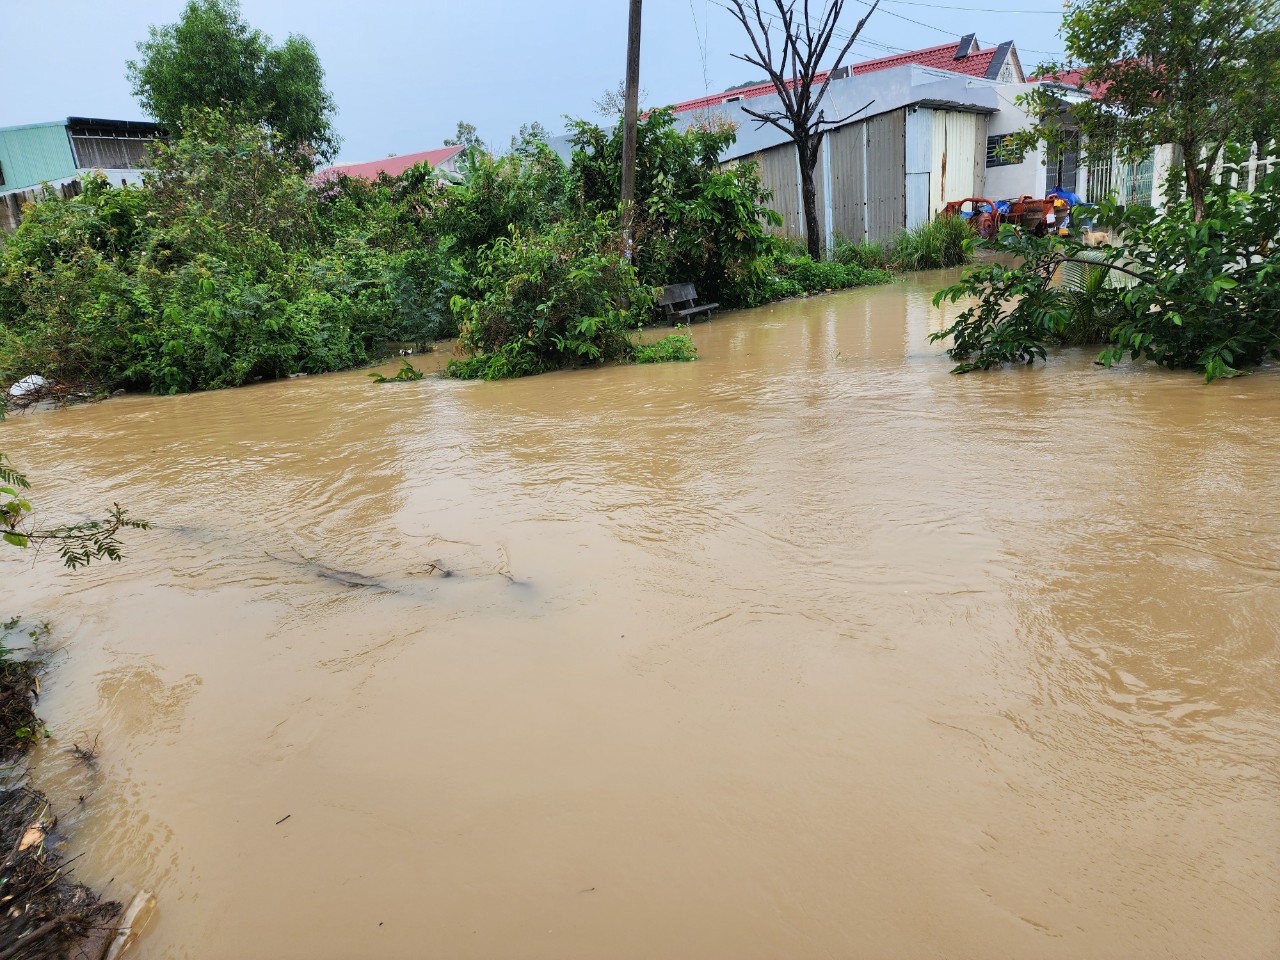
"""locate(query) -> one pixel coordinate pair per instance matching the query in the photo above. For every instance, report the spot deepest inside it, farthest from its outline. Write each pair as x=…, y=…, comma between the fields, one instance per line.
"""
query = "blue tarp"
x=1074, y=199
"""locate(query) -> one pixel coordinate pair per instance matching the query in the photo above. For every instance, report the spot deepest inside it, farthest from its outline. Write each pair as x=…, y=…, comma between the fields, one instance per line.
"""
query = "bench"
x=679, y=303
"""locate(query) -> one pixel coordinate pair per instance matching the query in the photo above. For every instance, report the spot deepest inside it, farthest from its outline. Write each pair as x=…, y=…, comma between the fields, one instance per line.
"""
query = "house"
x=921, y=142
x=1132, y=180
x=59, y=153
x=442, y=160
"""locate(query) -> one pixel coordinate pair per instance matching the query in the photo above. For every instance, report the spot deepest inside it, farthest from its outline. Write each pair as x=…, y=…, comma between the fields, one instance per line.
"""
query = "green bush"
x=547, y=300
x=1202, y=295
x=214, y=274
x=695, y=221
x=944, y=241
x=678, y=347
x=794, y=275
x=1209, y=299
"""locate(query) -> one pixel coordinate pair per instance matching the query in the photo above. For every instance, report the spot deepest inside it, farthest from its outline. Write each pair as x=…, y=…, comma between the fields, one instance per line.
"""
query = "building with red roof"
x=444, y=160
x=964, y=57
x=914, y=136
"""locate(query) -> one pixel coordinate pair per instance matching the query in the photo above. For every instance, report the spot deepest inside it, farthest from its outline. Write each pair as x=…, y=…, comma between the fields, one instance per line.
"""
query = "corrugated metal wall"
x=780, y=174
x=954, y=161
x=868, y=177
x=848, y=181
x=886, y=174
x=110, y=153
x=31, y=155
x=873, y=192
x=919, y=146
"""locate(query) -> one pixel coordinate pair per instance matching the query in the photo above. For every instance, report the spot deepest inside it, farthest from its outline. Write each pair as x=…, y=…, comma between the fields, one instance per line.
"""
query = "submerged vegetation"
x=944, y=241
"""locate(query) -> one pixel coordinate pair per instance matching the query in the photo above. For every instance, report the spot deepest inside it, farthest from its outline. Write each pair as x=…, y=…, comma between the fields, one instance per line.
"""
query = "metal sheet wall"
x=868, y=180
x=848, y=181
x=780, y=174
x=31, y=155
x=886, y=175
x=954, y=165
x=110, y=153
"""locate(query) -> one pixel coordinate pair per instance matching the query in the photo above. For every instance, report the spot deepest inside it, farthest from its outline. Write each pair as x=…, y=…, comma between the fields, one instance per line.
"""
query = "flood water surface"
x=806, y=649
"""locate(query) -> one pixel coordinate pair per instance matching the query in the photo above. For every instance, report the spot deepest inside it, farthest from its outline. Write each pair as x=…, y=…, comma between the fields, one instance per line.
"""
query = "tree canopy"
x=466, y=136
x=1192, y=73
x=212, y=58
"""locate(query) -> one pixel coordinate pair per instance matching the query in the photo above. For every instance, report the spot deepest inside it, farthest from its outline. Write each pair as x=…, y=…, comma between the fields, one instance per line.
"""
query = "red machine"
x=1025, y=213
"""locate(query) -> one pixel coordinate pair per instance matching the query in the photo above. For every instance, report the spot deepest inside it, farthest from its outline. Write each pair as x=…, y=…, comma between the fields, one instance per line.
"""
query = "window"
x=994, y=145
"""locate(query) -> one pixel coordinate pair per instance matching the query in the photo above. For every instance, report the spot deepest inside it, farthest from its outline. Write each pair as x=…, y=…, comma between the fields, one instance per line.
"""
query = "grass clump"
x=943, y=241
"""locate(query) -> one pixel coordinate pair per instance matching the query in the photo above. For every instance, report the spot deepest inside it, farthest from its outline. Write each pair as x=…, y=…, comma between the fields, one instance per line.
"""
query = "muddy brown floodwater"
x=807, y=649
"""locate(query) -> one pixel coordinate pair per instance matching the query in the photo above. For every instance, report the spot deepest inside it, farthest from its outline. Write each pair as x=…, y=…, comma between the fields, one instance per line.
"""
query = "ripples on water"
x=805, y=649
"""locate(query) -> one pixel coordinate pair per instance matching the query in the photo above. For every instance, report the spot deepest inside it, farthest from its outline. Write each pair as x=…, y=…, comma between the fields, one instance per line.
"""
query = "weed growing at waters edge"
x=944, y=241
x=865, y=253
x=677, y=347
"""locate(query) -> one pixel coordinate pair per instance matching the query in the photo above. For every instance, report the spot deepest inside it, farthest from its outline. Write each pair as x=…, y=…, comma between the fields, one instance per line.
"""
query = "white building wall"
x=1017, y=179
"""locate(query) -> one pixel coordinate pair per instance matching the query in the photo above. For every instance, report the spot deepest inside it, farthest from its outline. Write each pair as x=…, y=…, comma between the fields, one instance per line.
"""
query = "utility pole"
x=629, y=118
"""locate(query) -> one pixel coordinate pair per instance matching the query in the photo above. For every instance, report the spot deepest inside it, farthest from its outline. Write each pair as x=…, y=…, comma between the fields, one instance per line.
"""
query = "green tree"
x=696, y=221
x=530, y=138
x=211, y=58
x=1192, y=73
x=466, y=136
x=1195, y=294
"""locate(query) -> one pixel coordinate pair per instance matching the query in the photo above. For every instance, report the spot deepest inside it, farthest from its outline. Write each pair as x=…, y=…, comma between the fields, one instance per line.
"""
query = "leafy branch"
x=78, y=544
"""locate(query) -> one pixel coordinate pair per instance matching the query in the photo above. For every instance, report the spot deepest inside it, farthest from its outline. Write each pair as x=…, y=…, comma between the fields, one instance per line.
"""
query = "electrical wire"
x=949, y=33
x=702, y=47
x=947, y=6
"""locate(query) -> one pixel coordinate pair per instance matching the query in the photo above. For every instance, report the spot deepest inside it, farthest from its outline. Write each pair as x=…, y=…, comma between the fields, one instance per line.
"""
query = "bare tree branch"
x=836, y=123
x=793, y=70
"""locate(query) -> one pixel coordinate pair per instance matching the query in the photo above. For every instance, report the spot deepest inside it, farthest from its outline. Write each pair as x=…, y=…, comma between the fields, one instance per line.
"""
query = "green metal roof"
x=33, y=153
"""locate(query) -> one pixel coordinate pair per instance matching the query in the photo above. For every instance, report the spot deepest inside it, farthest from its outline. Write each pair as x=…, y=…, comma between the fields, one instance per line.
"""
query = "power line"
x=842, y=34
x=945, y=6
x=891, y=49
x=702, y=46
x=949, y=33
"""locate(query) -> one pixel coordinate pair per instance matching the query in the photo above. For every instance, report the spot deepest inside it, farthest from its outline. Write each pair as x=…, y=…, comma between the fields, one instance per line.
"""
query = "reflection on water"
x=805, y=649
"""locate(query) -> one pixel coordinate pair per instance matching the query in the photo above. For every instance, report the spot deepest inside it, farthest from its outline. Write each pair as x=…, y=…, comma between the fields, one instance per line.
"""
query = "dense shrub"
x=211, y=275
x=551, y=299
x=696, y=222
x=1209, y=298
x=1196, y=295
x=789, y=274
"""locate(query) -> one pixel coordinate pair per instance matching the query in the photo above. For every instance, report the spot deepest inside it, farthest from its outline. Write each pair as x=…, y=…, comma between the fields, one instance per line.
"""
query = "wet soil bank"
x=44, y=913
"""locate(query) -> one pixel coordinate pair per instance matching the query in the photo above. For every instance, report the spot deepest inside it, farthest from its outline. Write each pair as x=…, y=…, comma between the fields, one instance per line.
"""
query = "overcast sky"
x=404, y=72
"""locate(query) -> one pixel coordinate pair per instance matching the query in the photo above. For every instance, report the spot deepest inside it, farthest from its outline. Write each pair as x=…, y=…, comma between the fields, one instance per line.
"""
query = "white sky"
x=404, y=72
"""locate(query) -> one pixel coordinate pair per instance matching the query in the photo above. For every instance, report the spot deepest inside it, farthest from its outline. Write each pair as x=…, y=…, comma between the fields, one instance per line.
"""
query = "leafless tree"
x=790, y=46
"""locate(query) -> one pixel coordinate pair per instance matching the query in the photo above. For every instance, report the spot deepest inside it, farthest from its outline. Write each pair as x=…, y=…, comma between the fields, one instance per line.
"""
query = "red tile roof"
x=394, y=166
x=1072, y=78
x=941, y=57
